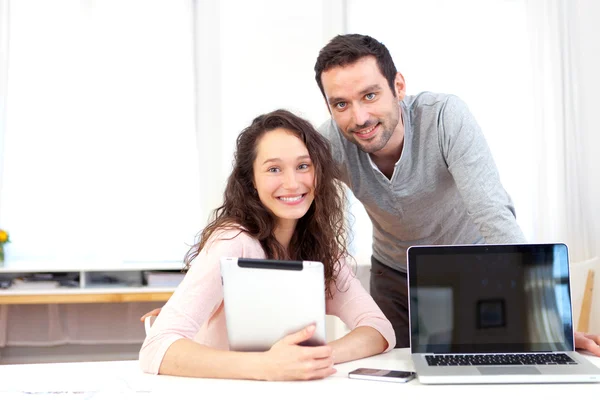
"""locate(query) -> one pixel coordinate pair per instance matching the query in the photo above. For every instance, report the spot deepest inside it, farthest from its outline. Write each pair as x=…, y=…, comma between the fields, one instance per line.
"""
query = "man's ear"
x=400, y=86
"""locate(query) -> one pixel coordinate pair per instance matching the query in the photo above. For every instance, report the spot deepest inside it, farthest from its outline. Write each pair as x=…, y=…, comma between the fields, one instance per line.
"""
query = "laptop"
x=266, y=300
x=493, y=314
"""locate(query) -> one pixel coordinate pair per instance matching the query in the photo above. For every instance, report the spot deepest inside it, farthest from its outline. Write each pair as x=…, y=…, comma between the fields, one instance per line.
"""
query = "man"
x=419, y=164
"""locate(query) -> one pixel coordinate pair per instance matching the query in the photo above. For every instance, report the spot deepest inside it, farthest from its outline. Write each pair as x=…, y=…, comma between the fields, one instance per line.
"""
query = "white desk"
x=125, y=380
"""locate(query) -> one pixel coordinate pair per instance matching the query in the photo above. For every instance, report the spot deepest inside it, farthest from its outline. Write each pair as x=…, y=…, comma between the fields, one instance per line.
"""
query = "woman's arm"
x=361, y=342
x=188, y=358
x=284, y=361
x=371, y=332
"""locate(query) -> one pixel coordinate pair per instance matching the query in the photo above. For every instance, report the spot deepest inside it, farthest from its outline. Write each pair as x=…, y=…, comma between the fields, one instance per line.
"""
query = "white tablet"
x=266, y=300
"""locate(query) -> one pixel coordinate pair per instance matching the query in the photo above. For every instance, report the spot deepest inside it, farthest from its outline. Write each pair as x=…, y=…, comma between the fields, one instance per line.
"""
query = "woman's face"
x=284, y=175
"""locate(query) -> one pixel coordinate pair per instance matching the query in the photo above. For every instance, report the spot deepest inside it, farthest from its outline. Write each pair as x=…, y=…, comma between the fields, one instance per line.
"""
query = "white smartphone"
x=381, y=375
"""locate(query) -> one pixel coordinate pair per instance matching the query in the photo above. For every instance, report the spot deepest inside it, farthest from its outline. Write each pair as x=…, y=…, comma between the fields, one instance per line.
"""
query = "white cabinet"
x=85, y=283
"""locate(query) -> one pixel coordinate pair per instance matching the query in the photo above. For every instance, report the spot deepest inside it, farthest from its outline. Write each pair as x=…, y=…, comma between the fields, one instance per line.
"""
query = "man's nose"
x=360, y=115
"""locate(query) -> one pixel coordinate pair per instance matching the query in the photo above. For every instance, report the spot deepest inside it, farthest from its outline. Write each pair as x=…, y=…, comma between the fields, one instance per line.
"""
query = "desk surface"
x=108, y=379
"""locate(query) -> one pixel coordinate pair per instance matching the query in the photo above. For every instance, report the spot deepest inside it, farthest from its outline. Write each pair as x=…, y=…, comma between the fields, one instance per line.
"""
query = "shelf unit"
x=133, y=289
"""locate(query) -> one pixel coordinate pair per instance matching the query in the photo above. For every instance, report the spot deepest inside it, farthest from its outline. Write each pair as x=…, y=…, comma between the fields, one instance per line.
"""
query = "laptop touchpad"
x=508, y=371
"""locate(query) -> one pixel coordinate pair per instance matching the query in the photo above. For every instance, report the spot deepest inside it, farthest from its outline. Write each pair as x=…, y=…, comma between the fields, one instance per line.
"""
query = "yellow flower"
x=3, y=236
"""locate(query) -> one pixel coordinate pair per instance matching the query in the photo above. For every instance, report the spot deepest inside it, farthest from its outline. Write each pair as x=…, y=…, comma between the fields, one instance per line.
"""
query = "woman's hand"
x=589, y=342
x=153, y=313
x=287, y=361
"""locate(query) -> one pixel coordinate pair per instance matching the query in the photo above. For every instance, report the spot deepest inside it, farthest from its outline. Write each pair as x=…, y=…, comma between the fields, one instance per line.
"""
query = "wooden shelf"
x=77, y=296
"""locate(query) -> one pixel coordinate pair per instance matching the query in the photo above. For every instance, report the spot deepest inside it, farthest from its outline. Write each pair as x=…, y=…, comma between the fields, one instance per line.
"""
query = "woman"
x=282, y=201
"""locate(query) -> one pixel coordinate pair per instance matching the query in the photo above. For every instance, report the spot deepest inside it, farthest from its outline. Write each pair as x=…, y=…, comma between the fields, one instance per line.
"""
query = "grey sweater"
x=445, y=188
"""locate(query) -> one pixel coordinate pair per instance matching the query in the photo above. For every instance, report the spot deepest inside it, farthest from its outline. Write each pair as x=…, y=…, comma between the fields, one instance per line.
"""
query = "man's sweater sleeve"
x=472, y=166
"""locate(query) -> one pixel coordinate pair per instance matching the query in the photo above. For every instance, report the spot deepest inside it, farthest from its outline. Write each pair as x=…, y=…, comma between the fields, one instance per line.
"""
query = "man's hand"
x=589, y=342
x=153, y=313
x=287, y=361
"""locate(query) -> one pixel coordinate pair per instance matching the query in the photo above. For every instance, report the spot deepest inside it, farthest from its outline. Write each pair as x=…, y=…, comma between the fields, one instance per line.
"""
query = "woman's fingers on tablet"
x=300, y=336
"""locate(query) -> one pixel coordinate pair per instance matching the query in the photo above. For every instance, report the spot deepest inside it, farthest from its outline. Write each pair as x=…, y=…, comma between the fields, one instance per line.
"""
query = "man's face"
x=362, y=103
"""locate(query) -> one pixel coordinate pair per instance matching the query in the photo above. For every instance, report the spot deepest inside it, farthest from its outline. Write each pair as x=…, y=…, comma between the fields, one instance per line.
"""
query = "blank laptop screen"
x=490, y=298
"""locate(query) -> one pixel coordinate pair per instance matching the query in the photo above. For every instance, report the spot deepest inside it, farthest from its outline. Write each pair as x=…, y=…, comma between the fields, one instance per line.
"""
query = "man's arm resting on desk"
x=589, y=342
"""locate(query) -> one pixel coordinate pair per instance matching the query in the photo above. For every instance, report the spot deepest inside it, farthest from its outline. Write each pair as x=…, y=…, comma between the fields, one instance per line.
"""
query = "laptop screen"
x=490, y=298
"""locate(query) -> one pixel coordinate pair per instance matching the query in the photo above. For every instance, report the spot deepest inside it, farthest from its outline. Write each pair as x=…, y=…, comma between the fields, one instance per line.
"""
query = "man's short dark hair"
x=343, y=50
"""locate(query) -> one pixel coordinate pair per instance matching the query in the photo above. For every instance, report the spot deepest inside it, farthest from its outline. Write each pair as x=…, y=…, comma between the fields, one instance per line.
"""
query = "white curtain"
x=565, y=58
x=3, y=77
x=563, y=211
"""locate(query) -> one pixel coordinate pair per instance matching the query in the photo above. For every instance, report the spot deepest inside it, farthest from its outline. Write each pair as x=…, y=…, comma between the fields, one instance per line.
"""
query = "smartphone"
x=381, y=375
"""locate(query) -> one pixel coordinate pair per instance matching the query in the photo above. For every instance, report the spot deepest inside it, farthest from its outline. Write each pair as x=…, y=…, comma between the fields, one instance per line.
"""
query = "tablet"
x=266, y=300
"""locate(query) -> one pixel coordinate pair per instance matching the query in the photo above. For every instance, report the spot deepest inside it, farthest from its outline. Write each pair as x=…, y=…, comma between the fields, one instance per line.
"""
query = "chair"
x=586, y=304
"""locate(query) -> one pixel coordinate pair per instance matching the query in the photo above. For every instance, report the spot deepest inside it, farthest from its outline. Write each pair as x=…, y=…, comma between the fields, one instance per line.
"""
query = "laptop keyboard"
x=500, y=359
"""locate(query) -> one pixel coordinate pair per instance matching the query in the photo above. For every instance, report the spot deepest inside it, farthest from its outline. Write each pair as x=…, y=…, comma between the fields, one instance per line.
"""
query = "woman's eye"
x=370, y=96
x=273, y=169
x=303, y=166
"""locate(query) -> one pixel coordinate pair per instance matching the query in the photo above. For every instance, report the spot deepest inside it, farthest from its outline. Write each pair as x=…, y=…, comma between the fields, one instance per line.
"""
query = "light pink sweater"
x=195, y=311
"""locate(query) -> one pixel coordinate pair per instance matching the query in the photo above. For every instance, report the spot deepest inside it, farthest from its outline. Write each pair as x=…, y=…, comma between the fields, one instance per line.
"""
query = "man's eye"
x=341, y=105
x=370, y=96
